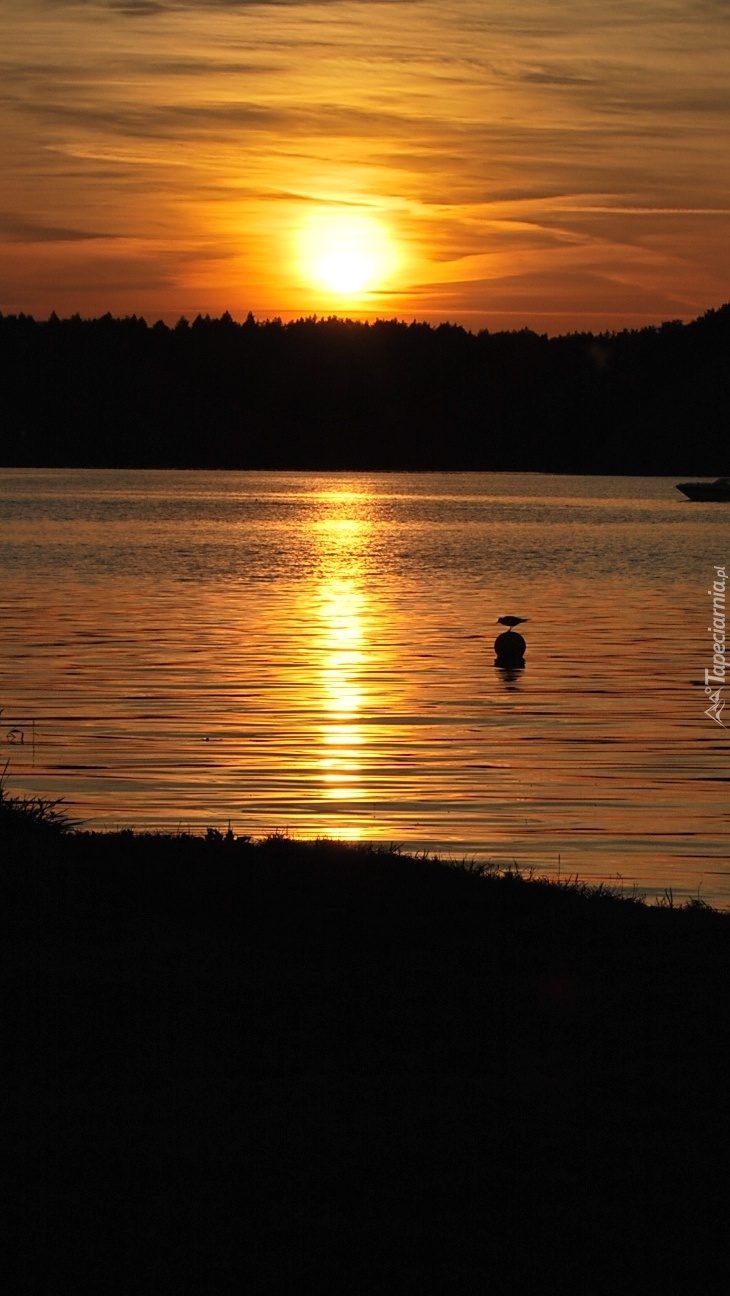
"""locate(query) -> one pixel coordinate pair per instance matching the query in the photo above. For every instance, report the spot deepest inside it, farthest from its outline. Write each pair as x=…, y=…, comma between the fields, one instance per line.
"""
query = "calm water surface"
x=312, y=653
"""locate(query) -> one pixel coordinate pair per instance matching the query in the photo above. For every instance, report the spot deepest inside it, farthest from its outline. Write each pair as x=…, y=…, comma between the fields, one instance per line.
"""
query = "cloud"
x=24, y=229
x=152, y=8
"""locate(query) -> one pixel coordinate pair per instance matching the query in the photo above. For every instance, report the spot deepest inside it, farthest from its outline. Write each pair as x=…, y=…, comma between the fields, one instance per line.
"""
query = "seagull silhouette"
x=511, y=621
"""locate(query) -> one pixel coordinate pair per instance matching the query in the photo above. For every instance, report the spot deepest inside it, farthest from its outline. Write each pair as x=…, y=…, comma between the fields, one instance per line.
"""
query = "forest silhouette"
x=331, y=393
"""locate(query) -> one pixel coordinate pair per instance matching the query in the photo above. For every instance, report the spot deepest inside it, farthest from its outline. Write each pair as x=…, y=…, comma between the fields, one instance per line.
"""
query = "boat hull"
x=711, y=492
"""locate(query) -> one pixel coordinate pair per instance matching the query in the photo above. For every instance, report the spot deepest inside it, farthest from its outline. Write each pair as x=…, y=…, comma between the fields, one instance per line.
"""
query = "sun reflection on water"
x=341, y=612
x=342, y=533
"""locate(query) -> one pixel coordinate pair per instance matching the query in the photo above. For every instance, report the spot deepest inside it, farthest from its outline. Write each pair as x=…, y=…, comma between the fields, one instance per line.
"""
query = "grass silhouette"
x=263, y=1065
x=26, y=819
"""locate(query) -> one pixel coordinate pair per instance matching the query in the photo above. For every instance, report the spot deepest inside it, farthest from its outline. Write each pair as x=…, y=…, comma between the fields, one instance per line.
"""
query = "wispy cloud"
x=18, y=228
x=153, y=8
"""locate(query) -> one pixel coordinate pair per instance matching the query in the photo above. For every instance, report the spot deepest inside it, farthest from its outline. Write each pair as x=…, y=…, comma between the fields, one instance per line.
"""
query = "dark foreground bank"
x=279, y=1066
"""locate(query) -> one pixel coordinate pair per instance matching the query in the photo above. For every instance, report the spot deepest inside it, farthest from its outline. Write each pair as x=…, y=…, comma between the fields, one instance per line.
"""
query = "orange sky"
x=557, y=164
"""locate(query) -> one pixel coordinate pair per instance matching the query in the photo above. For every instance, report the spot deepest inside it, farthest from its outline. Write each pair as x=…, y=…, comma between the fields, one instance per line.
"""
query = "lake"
x=313, y=654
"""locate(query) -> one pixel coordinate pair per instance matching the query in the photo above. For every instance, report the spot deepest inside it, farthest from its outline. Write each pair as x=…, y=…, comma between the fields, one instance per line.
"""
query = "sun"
x=345, y=254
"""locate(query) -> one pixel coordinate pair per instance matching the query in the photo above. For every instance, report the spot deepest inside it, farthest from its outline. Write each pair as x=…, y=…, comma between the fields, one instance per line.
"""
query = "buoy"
x=510, y=649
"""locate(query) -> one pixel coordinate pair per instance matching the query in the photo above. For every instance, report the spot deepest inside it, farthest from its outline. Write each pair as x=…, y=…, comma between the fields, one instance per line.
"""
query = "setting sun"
x=345, y=254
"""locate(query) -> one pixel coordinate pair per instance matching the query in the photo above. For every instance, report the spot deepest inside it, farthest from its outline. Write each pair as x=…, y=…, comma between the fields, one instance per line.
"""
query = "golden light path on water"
x=346, y=620
x=342, y=734
x=340, y=611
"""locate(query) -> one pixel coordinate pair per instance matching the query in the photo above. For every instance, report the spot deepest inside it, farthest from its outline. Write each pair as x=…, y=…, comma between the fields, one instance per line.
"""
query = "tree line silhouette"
x=331, y=393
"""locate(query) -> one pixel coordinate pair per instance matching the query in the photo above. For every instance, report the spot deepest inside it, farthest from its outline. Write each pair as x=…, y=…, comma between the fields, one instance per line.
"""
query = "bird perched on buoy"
x=511, y=621
x=510, y=646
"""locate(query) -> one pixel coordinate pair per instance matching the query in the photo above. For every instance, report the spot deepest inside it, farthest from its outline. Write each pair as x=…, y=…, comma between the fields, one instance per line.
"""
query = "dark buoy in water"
x=510, y=646
x=510, y=649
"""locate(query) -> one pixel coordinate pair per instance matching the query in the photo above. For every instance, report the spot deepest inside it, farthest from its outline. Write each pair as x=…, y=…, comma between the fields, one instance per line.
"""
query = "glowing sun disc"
x=346, y=254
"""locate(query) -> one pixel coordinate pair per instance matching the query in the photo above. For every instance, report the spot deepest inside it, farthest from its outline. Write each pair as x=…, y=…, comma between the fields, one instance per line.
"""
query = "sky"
x=554, y=164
